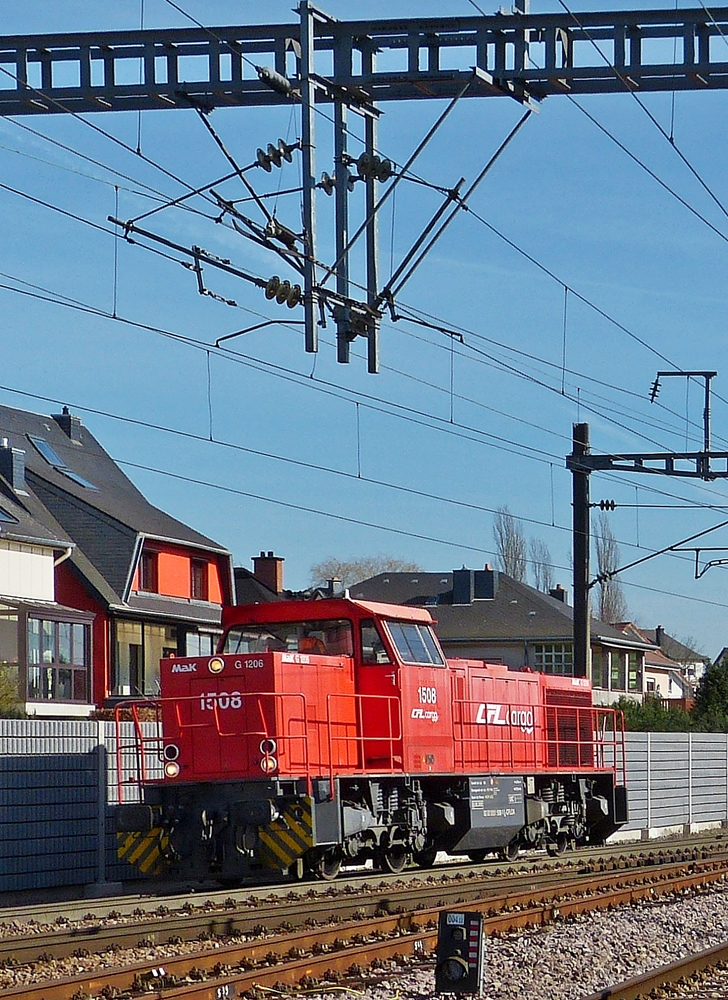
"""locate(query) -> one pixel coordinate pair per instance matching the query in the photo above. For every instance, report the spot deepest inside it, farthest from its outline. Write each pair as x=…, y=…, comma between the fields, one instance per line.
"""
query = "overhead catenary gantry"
x=322, y=61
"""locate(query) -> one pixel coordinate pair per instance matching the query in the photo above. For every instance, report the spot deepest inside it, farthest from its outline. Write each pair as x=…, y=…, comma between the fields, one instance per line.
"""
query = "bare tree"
x=543, y=571
x=510, y=543
x=612, y=602
x=351, y=571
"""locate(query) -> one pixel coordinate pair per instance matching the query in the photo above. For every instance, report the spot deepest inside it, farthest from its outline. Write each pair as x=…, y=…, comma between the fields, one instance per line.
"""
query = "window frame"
x=546, y=652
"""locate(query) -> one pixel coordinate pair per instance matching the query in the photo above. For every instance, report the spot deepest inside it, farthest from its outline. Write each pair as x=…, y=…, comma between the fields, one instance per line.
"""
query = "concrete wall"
x=58, y=788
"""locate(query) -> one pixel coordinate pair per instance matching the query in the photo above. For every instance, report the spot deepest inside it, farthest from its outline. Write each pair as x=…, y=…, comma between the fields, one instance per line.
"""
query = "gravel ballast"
x=573, y=958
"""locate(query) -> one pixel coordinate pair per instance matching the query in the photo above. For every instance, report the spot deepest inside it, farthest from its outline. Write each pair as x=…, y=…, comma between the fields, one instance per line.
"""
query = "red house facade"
x=143, y=585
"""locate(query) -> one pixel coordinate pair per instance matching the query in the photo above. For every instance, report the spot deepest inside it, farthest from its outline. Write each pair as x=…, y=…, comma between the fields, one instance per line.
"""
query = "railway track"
x=703, y=976
x=317, y=939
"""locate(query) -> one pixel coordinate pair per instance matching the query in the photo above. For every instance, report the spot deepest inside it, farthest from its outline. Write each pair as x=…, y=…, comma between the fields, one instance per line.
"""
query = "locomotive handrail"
x=549, y=737
x=360, y=740
x=139, y=741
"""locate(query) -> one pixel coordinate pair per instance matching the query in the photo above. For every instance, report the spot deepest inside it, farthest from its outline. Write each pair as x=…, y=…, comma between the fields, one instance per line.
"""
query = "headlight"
x=216, y=665
x=171, y=751
x=268, y=765
x=171, y=769
x=268, y=747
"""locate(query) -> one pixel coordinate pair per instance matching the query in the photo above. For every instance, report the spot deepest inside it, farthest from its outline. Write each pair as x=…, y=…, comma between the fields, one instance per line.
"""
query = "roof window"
x=4, y=516
x=46, y=451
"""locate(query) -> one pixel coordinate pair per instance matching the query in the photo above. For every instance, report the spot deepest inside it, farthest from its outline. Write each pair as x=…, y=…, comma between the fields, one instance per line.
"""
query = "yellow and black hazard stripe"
x=288, y=837
x=146, y=851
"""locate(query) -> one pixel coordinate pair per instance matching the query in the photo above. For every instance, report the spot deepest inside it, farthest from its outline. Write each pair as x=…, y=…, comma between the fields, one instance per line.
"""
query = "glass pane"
x=128, y=658
x=431, y=644
x=33, y=683
x=64, y=688
x=48, y=683
x=64, y=642
x=33, y=640
x=47, y=642
x=79, y=645
x=372, y=646
x=79, y=685
x=159, y=641
x=409, y=642
x=9, y=639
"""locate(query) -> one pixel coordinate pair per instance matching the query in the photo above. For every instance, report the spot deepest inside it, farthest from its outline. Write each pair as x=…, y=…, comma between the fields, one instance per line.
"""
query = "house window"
x=9, y=650
x=650, y=686
x=554, y=658
x=200, y=644
x=634, y=671
x=58, y=661
x=148, y=579
x=619, y=671
x=138, y=648
x=600, y=668
x=198, y=580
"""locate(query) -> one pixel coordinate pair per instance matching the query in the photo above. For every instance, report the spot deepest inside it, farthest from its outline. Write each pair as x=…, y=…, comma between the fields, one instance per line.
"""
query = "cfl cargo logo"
x=501, y=715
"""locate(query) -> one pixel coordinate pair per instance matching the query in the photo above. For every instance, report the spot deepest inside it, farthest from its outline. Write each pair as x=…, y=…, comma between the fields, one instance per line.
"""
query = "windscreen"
x=416, y=643
x=331, y=637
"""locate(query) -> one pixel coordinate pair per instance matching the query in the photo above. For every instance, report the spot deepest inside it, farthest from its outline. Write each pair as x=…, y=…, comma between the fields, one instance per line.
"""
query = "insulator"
x=286, y=151
x=654, y=390
x=283, y=291
x=364, y=165
x=271, y=287
x=294, y=296
x=275, y=80
x=263, y=159
x=385, y=170
x=328, y=183
x=607, y=504
x=274, y=154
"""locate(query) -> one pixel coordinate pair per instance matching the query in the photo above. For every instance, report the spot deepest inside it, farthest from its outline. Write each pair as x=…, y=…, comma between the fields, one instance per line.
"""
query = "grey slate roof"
x=518, y=612
x=29, y=522
x=106, y=523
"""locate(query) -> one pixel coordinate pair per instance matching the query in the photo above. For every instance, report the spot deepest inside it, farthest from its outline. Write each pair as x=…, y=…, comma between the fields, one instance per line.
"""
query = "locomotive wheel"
x=558, y=846
x=426, y=858
x=394, y=858
x=509, y=852
x=477, y=857
x=327, y=865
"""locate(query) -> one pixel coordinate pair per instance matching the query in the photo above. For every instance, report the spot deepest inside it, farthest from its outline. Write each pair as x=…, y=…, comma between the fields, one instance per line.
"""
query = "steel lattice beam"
x=416, y=58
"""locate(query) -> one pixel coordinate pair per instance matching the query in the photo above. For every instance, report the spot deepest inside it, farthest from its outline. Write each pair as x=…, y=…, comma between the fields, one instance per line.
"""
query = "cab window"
x=372, y=647
x=415, y=643
x=331, y=637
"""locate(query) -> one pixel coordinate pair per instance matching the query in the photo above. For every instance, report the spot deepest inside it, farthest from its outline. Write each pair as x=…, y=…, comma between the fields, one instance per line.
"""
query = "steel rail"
x=657, y=979
x=502, y=892
x=316, y=951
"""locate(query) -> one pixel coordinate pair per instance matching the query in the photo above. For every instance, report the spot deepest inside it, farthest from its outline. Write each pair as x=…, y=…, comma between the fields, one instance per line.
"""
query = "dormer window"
x=52, y=458
x=199, y=580
x=148, y=577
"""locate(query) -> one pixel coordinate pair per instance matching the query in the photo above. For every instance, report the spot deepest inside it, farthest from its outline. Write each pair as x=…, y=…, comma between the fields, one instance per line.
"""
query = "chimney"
x=69, y=423
x=659, y=635
x=269, y=570
x=333, y=587
x=559, y=593
x=463, y=586
x=12, y=465
x=486, y=583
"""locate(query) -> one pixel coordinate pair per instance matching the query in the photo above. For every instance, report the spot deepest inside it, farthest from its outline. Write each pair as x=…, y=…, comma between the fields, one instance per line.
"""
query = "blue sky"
x=563, y=193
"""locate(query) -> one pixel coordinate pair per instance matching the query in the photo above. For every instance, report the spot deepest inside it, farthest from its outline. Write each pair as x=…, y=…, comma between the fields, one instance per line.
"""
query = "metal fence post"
x=690, y=782
x=101, y=816
x=649, y=783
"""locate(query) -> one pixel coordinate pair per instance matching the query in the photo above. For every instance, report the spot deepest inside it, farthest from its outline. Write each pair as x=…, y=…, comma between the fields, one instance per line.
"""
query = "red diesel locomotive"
x=331, y=732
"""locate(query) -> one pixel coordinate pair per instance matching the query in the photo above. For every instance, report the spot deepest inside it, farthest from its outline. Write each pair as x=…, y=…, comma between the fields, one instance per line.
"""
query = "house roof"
x=22, y=519
x=74, y=488
x=517, y=612
x=673, y=648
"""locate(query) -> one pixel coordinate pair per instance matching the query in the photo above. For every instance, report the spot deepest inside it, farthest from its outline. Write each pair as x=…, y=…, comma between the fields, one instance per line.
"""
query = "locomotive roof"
x=338, y=607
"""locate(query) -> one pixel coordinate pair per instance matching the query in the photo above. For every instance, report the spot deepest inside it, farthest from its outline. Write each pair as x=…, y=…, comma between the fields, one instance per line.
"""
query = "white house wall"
x=26, y=572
